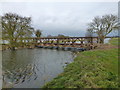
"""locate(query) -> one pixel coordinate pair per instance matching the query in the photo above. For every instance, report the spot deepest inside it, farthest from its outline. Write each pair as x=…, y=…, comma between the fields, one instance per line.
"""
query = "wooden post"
x=97, y=40
x=57, y=41
x=81, y=41
x=40, y=41
x=73, y=43
x=91, y=40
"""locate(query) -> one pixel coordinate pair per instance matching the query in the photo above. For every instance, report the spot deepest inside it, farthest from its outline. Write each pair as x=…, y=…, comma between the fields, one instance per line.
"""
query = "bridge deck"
x=78, y=42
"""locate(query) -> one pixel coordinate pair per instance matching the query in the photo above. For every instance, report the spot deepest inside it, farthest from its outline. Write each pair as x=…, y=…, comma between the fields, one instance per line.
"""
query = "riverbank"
x=91, y=69
x=7, y=47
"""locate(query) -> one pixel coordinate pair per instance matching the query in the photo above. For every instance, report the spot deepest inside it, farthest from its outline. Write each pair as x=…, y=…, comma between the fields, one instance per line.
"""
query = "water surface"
x=32, y=68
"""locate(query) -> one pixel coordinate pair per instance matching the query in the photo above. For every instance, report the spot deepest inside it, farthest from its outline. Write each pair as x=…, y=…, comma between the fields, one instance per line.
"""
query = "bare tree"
x=102, y=26
x=15, y=27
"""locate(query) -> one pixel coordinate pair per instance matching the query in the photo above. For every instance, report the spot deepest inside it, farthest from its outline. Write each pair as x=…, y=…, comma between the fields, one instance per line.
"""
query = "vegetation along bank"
x=91, y=69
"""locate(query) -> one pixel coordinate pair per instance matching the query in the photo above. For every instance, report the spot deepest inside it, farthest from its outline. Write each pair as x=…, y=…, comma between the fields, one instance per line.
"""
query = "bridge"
x=70, y=43
x=64, y=43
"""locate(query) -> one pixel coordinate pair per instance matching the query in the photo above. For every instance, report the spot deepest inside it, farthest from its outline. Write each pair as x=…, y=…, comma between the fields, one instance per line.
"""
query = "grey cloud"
x=64, y=18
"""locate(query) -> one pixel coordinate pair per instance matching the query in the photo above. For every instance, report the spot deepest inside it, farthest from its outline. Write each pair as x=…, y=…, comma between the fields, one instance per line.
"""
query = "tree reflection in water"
x=19, y=75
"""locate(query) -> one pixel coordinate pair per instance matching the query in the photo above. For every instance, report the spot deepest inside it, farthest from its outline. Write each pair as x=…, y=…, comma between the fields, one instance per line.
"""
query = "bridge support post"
x=73, y=43
x=81, y=43
x=97, y=40
x=58, y=42
x=91, y=40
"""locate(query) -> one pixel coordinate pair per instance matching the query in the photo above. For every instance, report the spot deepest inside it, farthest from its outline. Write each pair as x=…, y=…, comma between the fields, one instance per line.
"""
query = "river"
x=32, y=68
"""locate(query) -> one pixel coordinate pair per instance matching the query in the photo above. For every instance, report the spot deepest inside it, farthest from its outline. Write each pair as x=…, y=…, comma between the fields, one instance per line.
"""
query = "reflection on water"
x=32, y=68
x=19, y=75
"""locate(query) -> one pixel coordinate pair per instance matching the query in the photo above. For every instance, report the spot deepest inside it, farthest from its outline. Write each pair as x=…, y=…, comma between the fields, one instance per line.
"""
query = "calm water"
x=32, y=68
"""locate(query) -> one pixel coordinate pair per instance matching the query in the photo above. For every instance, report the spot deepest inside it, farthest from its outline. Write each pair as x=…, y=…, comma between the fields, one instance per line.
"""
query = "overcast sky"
x=65, y=18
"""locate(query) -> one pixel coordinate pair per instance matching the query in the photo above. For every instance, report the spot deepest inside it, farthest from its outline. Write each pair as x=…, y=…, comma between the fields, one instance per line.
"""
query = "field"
x=90, y=69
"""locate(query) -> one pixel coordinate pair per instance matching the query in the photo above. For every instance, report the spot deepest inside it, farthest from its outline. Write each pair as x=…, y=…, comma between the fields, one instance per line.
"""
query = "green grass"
x=90, y=69
x=113, y=41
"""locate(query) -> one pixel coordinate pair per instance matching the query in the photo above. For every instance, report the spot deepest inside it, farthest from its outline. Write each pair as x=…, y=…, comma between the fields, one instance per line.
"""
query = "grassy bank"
x=113, y=41
x=90, y=69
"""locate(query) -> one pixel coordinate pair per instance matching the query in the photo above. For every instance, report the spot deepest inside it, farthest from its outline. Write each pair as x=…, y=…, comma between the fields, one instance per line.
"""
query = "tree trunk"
x=12, y=48
x=12, y=44
x=101, y=39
